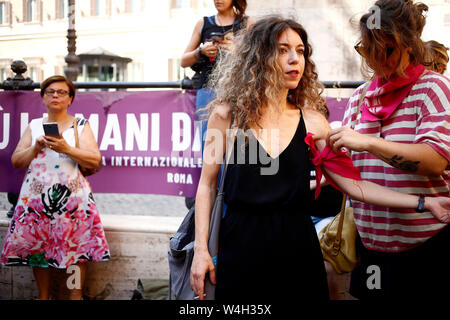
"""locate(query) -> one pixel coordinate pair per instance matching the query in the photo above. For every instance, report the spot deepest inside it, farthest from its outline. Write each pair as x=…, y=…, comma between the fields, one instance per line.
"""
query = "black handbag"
x=181, y=248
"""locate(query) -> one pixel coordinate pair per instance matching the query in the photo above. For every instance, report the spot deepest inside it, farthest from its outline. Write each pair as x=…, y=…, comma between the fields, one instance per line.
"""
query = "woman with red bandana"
x=400, y=140
x=262, y=88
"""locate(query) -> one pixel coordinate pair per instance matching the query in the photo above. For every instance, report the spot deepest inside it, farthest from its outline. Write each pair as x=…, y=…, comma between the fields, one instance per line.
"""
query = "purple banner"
x=149, y=140
x=337, y=108
x=146, y=139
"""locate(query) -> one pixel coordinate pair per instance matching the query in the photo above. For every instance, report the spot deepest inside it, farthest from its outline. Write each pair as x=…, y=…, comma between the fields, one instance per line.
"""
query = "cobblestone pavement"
x=130, y=204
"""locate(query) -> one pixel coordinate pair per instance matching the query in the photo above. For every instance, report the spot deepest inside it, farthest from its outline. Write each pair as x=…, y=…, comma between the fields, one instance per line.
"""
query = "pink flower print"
x=27, y=234
x=36, y=186
x=63, y=177
x=19, y=209
x=97, y=253
x=81, y=231
x=74, y=185
x=84, y=182
x=36, y=205
x=42, y=231
x=93, y=209
x=30, y=218
x=62, y=227
x=79, y=214
x=40, y=155
x=47, y=180
x=39, y=168
x=73, y=203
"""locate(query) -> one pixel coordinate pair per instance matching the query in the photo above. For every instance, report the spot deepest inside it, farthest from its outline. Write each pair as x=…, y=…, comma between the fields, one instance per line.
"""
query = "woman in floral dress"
x=56, y=223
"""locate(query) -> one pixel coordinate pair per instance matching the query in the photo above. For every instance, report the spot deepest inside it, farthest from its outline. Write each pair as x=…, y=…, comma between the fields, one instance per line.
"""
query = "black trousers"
x=419, y=273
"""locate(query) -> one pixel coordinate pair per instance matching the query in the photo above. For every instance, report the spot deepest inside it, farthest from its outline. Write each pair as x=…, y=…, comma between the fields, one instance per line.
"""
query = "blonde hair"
x=249, y=77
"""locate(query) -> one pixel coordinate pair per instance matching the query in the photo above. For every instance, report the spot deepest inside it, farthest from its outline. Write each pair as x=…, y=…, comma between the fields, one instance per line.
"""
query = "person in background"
x=436, y=56
x=264, y=84
x=212, y=37
x=56, y=224
x=400, y=140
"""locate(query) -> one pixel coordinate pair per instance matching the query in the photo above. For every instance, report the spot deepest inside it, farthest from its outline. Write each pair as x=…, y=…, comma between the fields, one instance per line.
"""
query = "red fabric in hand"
x=339, y=163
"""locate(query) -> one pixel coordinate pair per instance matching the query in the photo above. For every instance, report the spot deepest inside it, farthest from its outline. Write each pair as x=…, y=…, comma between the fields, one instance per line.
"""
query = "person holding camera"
x=56, y=224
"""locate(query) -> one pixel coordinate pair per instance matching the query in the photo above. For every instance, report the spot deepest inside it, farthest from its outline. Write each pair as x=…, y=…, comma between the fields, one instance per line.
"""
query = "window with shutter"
x=61, y=9
x=32, y=10
x=133, y=6
x=101, y=7
x=94, y=10
x=2, y=73
x=447, y=20
x=127, y=6
x=3, y=13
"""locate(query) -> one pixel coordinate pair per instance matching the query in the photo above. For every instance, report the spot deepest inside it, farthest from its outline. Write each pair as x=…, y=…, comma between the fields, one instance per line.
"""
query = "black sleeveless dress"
x=268, y=246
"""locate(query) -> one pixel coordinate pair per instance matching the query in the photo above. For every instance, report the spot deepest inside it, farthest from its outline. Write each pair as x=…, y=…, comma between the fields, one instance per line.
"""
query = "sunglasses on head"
x=389, y=50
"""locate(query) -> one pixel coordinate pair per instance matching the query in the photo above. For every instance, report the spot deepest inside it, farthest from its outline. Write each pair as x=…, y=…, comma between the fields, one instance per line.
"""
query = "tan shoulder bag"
x=338, y=238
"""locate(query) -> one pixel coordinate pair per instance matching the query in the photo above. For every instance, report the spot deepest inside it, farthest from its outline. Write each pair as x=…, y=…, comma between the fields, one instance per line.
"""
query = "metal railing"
x=19, y=82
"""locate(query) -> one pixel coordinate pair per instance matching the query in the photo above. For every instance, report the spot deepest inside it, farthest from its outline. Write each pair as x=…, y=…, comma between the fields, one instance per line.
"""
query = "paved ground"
x=130, y=204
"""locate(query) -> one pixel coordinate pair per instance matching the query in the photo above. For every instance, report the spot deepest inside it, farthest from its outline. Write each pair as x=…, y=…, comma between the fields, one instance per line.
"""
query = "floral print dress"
x=56, y=222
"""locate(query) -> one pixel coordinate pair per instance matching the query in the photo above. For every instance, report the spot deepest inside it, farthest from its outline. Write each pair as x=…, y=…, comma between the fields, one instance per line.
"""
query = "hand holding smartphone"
x=51, y=129
x=216, y=37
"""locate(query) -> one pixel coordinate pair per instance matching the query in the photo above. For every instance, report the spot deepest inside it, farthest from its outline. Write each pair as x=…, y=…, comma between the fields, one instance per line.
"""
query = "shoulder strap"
x=222, y=178
x=75, y=132
x=202, y=32
x=337, y=242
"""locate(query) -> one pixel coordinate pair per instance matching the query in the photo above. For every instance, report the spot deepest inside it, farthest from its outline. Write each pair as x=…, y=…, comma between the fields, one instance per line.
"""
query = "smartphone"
x=216, y=36
x=51, y=129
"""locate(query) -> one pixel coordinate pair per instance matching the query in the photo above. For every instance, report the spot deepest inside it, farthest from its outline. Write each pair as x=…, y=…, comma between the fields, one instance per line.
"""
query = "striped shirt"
x=422, y=117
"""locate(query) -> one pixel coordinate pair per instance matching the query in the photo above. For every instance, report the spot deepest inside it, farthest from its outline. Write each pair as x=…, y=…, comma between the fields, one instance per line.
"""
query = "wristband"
x=421, y=205
x=200, y=53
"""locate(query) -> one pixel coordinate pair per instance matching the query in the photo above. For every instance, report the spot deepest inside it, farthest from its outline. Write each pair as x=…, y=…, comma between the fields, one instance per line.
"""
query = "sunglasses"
x=389, y=50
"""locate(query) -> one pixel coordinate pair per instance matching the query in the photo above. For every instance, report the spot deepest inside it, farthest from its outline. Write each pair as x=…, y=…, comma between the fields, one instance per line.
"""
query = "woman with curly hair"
x=400, y=140
x=263, y=85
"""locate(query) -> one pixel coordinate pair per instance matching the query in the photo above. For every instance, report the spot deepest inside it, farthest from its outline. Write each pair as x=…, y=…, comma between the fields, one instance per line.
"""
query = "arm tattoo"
x=405, y=165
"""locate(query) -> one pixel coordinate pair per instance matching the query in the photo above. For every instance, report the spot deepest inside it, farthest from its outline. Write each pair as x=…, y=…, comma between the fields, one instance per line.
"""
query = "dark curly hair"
x=250, y=77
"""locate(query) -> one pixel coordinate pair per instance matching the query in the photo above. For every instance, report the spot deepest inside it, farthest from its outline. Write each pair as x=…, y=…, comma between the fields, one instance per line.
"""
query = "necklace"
x=220, y=23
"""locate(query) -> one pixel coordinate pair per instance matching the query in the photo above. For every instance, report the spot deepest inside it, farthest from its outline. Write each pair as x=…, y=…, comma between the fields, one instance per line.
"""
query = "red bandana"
x=339, y=163
x=382, y=98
